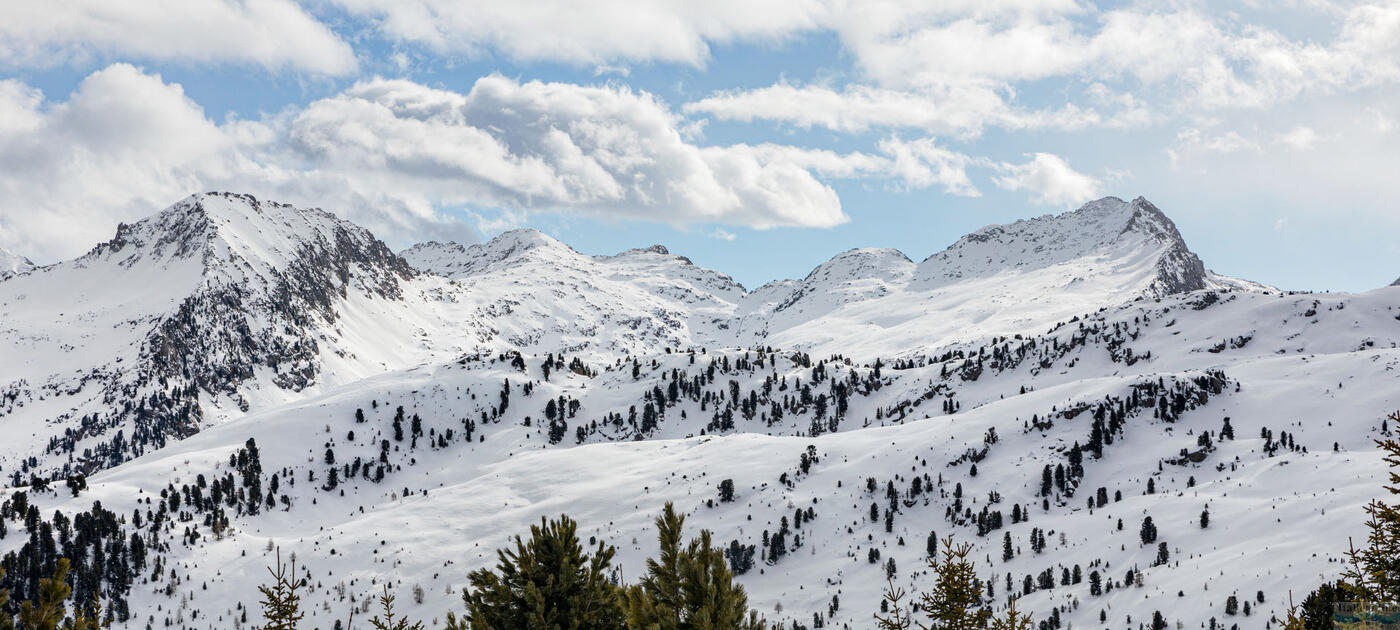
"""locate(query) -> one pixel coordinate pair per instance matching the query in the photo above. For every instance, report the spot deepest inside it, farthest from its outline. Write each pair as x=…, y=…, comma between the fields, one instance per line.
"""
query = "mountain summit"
x=13, y=265
x=1109, y=231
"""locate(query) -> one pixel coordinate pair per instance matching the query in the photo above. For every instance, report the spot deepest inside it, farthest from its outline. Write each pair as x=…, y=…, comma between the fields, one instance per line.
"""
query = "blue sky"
x=757, y=138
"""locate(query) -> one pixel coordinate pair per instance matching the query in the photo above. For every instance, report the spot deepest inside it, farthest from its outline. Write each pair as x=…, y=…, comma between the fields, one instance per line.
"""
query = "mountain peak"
x=13, y=265
x=454, y=260
x=1101, y=230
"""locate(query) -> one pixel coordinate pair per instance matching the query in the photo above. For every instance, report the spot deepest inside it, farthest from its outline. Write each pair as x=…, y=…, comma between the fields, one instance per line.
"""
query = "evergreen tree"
x=897, y=616
x=1317, y=608
x=1375, y=568
x=1012, y=620
x=548, y=582
x=688, y=587
x=281, y=603
x=388, y=621
x=48, y=611
x=1148, y=533
x=955, y=601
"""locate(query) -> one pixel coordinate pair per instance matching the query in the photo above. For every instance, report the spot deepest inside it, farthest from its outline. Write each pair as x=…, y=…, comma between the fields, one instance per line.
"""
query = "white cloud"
x=922, y=164
x=1050, y=180
x=1300, y=138
x=389, y=155
x=953, y=67
x=393, y=155
x=589, y=33
x=557, y=147
x=274, y=34
x=1378, y=120
x=960, y=109
x=1194, y=141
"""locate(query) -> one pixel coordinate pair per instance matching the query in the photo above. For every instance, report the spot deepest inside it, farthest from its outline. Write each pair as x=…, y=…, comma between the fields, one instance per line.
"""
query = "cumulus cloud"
x=560, y=147
x=1300, y=138
x=397, y=156
x=590, y=33
x=274, y=34
x=962, y=110
x=923, y=163
x=954, y=67
x=1050, y=180
x=389, y=154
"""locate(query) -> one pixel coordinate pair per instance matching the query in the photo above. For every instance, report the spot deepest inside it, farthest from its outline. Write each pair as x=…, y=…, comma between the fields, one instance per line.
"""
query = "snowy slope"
x=1334, y=372
x=224, y=319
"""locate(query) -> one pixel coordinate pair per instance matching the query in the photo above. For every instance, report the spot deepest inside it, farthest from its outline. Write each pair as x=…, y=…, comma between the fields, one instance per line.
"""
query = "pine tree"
x=389, y=622
x=281, y=603
x=547, y=582
x=1012, y=620
x=6, y=621
x=687, y=588
x=88, y=617
x=1148, y=533
x=46, y=613
x=897, y=617
x=1375, y=568
x=955, y=601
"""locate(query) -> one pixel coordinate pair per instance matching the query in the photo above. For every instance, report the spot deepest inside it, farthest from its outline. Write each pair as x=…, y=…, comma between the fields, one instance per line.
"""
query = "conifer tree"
x=955, y=601
x=687, y=587
x=1012, y=620
x=896, y=616
x=6, y=621
x=548, y=582
x=281, y=603
x=388, y=621
x=1375, y=568
x=49, y=610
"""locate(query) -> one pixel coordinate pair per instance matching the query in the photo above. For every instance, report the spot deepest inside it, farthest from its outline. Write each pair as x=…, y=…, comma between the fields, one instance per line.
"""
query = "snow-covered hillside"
x=394, y=418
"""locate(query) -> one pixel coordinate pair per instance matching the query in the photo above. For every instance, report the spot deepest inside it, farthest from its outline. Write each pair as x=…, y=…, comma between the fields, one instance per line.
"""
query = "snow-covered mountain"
x=13, y=265
x=279, y=378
